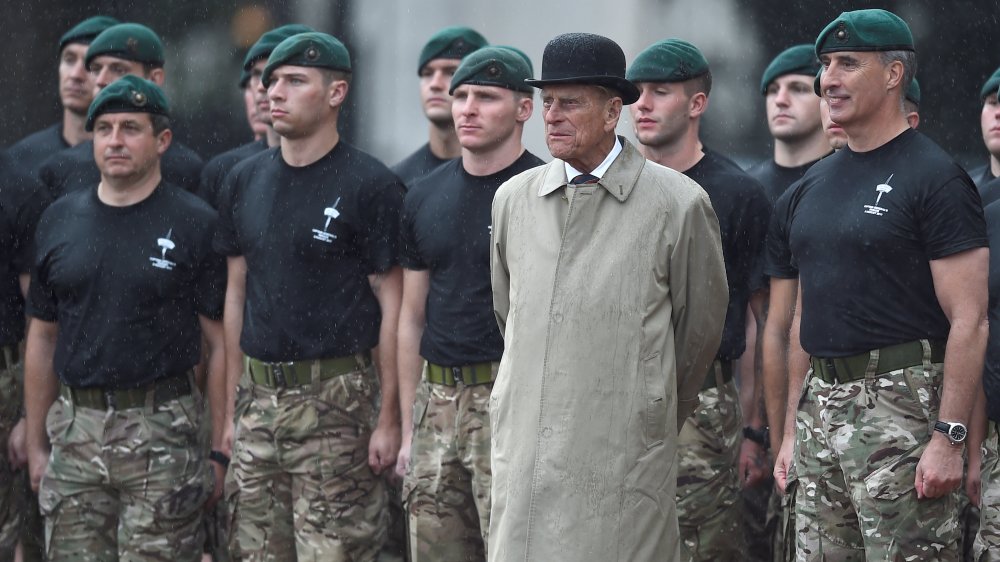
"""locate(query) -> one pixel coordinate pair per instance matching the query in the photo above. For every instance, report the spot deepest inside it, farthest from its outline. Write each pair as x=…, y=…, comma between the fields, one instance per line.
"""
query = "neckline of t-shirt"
x=113, y=209
x=319, y=161
x=504, y=173
x=899, y=139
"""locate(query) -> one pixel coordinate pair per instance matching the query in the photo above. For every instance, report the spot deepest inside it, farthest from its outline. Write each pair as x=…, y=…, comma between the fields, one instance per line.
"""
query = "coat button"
x=557, y=318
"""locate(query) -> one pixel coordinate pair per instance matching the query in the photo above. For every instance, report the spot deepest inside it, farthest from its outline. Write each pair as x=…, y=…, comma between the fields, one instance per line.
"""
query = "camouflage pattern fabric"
x=215, y=521
x=783, y=545
x=708, y=486
x=12, y=496
x=447, y=487
x=765, y=518
x=299, y=486
x=987, y=543
x=857, y=447
x=125, y=484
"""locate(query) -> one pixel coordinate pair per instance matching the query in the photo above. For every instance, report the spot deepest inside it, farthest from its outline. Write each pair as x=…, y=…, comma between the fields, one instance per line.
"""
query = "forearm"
x=775, y=381
x=410, y=367
x=752, y=389
x=232, y=357
x=41, y=387
x=963, y=367
x=388, y=289
x=218, y=394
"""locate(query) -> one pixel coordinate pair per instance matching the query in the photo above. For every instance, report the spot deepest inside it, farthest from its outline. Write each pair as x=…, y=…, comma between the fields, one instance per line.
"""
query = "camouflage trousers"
x=856, y=451
x=765, y=517
x=299, y=486
x=447, y=488
x=987, y=544
x=708, y=485
x=11, y=491
x=125, y=484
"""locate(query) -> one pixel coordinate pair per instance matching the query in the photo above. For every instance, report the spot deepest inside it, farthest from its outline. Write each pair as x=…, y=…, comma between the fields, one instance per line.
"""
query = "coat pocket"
x=656, y=400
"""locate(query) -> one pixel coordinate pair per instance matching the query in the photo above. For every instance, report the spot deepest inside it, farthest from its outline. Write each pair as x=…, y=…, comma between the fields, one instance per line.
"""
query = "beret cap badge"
x=138, y=98
x=841, y=33
x=312, y=53
x=132, y=44
x=493, y=70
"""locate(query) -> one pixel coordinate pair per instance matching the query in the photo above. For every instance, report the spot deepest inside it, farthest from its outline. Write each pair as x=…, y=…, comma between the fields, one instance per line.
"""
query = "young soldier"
x=76, y=91
x=714, y=460
x=437, y=63
x=989, y=121
x=215, y=171
x=127, y=48
x=447, y=314
x=880, y=426
x=124, y=275
x=307, y=303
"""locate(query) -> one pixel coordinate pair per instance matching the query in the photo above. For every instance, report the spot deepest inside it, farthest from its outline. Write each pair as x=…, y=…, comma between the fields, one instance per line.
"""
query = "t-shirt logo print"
x=330, y=213
x=881, y=189
x=165, y=244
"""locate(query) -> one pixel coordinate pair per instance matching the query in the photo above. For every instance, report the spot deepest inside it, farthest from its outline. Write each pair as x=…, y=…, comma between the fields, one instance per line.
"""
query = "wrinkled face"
x=435, y=80
x=989, y=119
x=853, y=84
x=125, y=145
x=76, y=88
x=835, y=134
x=487, y=116
x=259, y=91
x=105, y=69
x=792, y=108
x=578, y=119
x=300, y=101
x=257, y=125
x=660, y=116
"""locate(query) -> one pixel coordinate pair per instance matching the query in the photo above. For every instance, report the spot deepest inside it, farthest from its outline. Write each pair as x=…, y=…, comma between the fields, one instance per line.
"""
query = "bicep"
x=960, y=282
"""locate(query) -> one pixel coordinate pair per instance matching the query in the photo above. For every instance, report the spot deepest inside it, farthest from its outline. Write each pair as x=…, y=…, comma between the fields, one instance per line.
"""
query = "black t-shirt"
x=775, y=178
x=74, y=168
x=859, y=231
x=32, y=151
x=743, y=212
x=214, y=173
x=310, y=236
x=446, y=230
x=989, y=191
x=981, y=175
x=417, y=165
x=126, y=285
x=22, y=200
x=991, y=370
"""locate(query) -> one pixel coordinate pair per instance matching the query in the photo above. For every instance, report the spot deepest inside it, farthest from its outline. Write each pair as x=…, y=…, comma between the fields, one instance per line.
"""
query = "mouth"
x=781, y=116
x=278, y=113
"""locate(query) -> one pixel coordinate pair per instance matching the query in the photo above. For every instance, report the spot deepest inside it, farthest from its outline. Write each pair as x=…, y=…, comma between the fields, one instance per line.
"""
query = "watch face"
x=957, y=433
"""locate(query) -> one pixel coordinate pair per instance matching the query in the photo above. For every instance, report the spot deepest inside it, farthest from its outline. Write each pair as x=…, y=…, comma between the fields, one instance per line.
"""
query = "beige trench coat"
x=611, y=306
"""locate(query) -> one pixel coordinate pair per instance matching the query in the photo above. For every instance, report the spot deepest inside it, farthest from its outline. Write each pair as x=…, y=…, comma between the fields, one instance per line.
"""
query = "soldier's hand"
x=403, y=459
x=383, y=447
x=940, y=468
x=220, y=478
x=752, y=463
x=973, y=481
x=38, y=460
x=17, y=448
x=781, y=464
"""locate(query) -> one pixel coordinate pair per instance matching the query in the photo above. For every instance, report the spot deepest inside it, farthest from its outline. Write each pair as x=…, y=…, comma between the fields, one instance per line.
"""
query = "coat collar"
x=619, y=180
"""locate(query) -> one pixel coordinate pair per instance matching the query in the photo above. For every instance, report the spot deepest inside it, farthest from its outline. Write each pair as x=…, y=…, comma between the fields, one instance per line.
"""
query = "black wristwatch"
x=760, y=436
x=219, y=457
x=955, y=431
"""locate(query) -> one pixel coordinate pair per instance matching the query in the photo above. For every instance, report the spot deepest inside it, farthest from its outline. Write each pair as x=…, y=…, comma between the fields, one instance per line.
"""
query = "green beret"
x=129, y=41
x=865, y=30
x=268, y=41
x=493, y=66
x=913, y=92
x=315, y=49
x=672, y=60
x=128, y=94
x=450, y=43
x=523, y=55
x=86, y=30
x=800, y=59
x=991, y=85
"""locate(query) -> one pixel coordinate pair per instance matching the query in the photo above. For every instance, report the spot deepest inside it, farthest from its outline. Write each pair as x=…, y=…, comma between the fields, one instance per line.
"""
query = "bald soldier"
x=893, y=300
x=437, y=63
x=123, y=49
x=76, y=91
x=610, y=292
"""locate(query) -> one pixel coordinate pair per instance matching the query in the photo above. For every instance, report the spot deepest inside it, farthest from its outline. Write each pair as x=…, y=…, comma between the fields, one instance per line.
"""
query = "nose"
x=439, y=81
x=102, y=78
x=79, y=71
x=275, y=91
x=781, y=98
x=643, y=102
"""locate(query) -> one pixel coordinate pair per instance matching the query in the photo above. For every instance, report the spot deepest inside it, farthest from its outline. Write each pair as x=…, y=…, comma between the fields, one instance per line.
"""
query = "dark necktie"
x=584, y=179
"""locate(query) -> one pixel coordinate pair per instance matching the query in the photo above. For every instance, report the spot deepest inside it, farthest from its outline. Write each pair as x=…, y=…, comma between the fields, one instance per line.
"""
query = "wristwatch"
x=955, y=431
x=760, y=436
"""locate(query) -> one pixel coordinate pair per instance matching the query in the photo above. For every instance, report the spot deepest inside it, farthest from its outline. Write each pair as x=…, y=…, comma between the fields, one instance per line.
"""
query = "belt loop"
x=928, y=359
x=315, y=374
x=456, y=373
x=871, y=372
x=150, y=405
x=717, y=367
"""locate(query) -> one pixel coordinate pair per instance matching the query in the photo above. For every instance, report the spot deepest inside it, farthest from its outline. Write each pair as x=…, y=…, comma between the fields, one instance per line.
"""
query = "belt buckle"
x=279, y=374
x=457, y=373
x=109, y=399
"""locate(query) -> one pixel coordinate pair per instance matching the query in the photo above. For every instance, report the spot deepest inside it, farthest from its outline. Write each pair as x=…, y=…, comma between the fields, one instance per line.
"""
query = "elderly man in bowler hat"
x=610, y=291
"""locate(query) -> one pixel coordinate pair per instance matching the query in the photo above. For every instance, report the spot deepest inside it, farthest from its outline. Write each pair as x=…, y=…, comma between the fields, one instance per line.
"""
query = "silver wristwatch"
x=955, y=431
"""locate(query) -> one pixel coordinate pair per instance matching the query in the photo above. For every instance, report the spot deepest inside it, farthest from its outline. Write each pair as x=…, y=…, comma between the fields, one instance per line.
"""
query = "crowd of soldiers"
x=631, y=352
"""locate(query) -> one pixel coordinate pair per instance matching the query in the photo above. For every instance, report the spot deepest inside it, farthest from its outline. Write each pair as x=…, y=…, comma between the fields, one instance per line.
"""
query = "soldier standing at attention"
x=123, y=277
x=893, y=314
x=714, y=459
x=76, y=91
x=437, y=63
x=306, y=303
x=447, y=314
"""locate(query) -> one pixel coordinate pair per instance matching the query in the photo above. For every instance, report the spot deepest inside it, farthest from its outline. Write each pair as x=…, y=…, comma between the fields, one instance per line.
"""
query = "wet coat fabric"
x=611, y=303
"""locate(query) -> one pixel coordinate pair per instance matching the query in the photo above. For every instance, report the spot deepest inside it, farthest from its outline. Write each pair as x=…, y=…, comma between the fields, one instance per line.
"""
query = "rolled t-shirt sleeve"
x=381, y=231
x=778, y=259
x=951, y=219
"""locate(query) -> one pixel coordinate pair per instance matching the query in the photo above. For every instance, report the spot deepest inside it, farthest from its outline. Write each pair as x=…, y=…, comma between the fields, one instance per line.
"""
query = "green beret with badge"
x=800, y=59
x=912, y=92
x=522, y=54
x=86, y=30
x=315, y=49
x=493, y=66
x=266, y=44
x=672, y=60
x=991, y=85
x=129, y=41
x=128, y=94
x=865, y=30
x=450, y=43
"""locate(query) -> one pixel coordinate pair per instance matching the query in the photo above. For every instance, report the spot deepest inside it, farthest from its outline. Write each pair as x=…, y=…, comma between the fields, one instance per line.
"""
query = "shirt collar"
x=599, y=171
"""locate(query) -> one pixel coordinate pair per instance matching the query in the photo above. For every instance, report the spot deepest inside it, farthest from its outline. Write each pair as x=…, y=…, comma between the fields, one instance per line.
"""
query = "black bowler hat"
x=585, y=58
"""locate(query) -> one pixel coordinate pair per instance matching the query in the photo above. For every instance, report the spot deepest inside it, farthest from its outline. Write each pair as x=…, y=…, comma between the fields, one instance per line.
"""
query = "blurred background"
x=956, y=41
